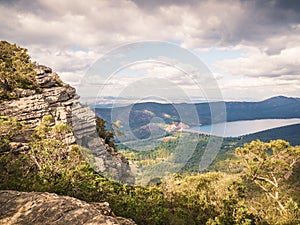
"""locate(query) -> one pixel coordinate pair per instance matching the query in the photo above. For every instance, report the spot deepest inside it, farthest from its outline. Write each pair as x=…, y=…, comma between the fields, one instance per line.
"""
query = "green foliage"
x=269, y=165
x=235, y=210
x=16, y=70
x=146, y=205
x=211, y=198
x=108, y=136
x=16, y=172
x=293, y=183
x=9, y=129
x=192, y=150
x=154, y=156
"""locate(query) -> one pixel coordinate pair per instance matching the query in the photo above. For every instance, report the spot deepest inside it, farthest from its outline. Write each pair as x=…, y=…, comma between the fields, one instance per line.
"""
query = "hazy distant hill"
x=289, y=133
x=279, y=107
x=273, y=108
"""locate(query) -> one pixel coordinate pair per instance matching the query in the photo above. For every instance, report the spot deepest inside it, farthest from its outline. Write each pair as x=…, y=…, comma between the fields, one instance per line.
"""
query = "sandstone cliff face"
x=45, y=208
x=61, y=101
x=55, y=98
x=107, y=161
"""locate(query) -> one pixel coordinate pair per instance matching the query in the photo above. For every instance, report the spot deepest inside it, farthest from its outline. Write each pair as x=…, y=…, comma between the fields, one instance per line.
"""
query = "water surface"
x=243, y=127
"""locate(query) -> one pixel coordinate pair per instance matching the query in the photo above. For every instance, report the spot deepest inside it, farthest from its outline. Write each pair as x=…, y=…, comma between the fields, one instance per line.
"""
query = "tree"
x=47, y=147
x=16, y=70
x=269, y=165
x=107, y=136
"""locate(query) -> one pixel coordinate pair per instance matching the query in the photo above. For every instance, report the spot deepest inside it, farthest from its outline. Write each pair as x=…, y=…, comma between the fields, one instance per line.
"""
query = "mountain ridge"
x=277, y=97
x=140, y=114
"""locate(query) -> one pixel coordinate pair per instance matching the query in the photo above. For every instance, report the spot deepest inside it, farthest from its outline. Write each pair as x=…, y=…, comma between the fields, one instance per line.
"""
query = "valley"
x=160, y=143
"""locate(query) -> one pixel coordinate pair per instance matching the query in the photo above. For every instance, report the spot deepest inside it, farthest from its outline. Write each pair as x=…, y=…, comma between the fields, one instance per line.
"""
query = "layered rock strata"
x=61, y=101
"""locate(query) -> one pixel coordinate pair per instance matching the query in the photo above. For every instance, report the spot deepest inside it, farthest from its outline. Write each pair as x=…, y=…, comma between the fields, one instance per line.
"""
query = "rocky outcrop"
x=107, y=160
x=45, y=208
x=53, y=97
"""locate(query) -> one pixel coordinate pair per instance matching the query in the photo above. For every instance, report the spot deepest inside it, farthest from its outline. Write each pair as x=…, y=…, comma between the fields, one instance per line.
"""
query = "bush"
x=16, y=70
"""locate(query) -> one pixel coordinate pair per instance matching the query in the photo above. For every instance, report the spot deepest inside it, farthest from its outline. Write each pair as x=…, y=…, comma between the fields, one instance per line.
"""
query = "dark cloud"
x=154, y=4
x=285, y=11
x=292, y=5
x=256, y=22
x=281, y=6
x=22, y=5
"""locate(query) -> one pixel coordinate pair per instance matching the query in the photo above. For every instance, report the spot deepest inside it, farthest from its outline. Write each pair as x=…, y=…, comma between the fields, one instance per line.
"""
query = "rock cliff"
x=61, y=101
x=45, y=208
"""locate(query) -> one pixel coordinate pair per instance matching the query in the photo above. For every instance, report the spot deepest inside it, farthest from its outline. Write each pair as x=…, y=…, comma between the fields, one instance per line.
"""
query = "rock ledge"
x=46, y=208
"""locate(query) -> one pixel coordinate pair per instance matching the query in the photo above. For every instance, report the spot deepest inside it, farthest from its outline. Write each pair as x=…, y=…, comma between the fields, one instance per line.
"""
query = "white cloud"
x=70, y=64
x=259, y=64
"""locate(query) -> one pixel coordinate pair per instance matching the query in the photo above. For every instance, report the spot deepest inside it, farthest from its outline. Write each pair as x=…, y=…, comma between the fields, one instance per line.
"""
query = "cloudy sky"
x=251, y=47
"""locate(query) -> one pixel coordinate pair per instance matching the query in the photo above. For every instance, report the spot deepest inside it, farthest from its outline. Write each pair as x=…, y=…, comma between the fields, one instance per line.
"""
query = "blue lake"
x=243, y=127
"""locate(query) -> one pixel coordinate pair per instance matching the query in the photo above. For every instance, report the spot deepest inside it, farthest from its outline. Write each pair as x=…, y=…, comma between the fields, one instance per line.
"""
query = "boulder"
x=46, y=208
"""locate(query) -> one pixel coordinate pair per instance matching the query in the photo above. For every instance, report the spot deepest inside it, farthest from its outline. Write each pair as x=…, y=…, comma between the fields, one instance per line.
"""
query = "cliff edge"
x=45, y=208
x=53, y=97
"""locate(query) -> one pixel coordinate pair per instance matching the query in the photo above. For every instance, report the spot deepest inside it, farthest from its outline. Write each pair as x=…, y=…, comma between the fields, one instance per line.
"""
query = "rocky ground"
x=45, y=208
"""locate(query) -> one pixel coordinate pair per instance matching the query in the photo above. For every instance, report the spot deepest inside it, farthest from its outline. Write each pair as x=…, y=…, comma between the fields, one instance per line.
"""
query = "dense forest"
x=262, y=187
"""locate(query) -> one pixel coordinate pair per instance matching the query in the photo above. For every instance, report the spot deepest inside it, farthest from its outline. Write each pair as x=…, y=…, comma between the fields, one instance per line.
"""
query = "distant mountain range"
x=279, y=107
x=140, y=114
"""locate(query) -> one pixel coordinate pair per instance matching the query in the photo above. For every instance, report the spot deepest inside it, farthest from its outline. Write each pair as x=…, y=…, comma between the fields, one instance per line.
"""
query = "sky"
x=250, y=47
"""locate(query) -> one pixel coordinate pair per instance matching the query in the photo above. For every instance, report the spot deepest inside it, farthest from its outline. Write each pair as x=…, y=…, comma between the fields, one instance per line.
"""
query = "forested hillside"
x=289, y=133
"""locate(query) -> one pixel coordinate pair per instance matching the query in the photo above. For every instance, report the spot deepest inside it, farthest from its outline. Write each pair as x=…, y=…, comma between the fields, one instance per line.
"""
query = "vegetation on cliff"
x=16, y=70
x=107, y=136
